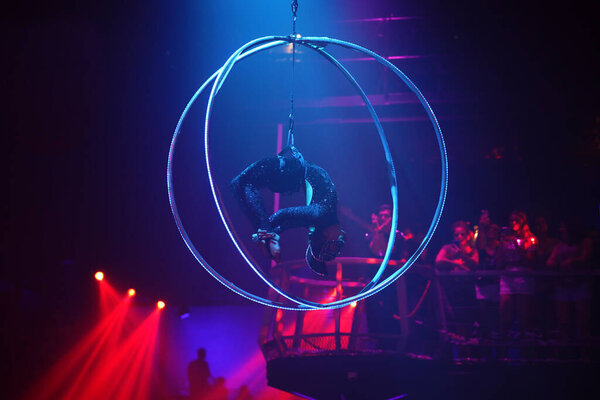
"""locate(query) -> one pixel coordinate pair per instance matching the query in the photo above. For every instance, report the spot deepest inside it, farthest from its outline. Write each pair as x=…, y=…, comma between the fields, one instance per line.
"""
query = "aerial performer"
x=289, y=172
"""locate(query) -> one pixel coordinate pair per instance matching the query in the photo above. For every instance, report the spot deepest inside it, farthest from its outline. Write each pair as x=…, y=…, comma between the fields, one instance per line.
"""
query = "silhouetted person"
x=545, y=314
x=459, y=255
x=198, y=376
x=243, y=393
x=487, y=289
x=378, y=236
x=382, y=307
x=573, y=295
x=218, y=391
x=546, y=242
x=516, y=252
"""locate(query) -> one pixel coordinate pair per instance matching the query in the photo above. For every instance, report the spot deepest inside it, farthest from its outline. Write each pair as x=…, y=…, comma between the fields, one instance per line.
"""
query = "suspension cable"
x=290, y=138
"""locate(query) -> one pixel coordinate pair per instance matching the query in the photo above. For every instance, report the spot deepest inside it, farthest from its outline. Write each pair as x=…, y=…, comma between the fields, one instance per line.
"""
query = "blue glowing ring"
x=219, y=203
x=219, y=77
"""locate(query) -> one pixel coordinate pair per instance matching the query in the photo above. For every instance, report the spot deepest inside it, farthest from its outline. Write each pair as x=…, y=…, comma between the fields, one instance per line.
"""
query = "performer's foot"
x=271, y=242
x=274, y=248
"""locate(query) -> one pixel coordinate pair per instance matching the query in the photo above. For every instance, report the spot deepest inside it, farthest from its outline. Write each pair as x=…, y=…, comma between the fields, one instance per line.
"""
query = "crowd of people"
x=203, y=386
x=511, y=299
x=514, y=302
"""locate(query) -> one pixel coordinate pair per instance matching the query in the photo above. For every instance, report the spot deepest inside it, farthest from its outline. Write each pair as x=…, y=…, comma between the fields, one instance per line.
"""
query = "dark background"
x=92, y=93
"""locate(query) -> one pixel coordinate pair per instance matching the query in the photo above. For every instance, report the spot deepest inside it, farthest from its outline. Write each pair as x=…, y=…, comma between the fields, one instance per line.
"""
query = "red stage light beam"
x=104, y=346
x=57, y=378
x=136, y=383
x=122, y=367
x=109, y=298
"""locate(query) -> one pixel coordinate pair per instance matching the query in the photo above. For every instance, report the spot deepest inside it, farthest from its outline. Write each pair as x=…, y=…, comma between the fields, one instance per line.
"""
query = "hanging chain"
x=290, y=138
x=294, y=11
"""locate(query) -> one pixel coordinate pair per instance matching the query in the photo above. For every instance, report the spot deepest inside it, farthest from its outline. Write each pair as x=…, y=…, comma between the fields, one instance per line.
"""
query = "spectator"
x=487, y=289
x=218, y=390
x=572, y=253
x=378, y=236
x=515, y=254
x=459, y=255
x=243, y=393
x=544, y=303
x=198, y=375
x=545, y=242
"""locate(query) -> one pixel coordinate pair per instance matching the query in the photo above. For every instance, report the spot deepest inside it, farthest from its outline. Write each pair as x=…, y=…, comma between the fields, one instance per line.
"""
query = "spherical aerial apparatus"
x=315, y=44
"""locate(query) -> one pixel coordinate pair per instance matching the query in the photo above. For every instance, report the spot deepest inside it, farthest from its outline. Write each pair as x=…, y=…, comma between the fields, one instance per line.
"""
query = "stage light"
x=160, y=304
x=99, y=276
x=353, y=304
x=131, y=292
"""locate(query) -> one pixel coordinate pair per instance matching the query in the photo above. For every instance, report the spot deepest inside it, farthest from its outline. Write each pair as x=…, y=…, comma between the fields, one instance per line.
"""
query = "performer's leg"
x=296, y=217
x=246, y=189
x=253, y=206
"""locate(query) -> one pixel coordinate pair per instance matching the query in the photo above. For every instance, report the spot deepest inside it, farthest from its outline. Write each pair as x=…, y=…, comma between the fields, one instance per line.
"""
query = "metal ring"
x=219, y=77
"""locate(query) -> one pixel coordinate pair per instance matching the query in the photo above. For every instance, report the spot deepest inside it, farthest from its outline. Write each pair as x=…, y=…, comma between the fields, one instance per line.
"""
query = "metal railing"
x=309, y=342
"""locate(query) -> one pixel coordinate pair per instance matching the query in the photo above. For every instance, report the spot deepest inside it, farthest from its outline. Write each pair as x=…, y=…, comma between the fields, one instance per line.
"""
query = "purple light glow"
x=232, y=353
x=407, y=57
x=357, y=101
x=380, y=19
x=363, y=120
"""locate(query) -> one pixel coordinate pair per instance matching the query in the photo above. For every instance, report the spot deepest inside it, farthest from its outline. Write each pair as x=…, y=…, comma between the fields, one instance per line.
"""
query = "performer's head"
x=324, y=244
x=291, y=151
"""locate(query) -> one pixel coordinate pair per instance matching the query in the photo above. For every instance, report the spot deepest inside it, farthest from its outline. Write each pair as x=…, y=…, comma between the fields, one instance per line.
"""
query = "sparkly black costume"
x=286, y=173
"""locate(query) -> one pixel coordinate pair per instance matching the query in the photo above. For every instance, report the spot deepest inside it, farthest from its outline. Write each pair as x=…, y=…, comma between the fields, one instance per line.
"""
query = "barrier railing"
x=297, y=339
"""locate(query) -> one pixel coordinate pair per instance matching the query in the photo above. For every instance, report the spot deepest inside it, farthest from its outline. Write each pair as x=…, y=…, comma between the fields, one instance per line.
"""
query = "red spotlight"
x=131, y=292
x=99, y=276
x=160, y=304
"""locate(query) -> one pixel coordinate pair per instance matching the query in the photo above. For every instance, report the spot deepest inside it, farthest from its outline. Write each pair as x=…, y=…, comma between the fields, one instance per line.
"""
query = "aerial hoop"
x=316, y=44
